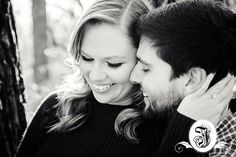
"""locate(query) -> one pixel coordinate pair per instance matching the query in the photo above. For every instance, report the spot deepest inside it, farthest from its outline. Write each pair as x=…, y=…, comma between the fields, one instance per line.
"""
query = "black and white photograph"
x=117, y=78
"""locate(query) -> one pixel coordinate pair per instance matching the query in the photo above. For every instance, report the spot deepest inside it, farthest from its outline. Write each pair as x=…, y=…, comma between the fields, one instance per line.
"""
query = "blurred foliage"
x=62, y=16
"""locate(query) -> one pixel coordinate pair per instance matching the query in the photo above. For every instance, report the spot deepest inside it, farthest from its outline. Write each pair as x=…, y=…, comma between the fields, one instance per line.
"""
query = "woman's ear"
x=193, y=80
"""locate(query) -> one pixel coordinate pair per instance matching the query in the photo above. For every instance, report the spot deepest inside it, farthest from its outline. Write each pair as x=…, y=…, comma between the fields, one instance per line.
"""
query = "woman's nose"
x=135, y=76
x=97, y=73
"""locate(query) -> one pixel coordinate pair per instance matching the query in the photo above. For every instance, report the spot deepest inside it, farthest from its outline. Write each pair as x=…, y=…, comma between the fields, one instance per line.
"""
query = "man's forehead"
x=145, y=40
x=146, y=46
x=142, y=50
x=146, y=52
x=143, y=45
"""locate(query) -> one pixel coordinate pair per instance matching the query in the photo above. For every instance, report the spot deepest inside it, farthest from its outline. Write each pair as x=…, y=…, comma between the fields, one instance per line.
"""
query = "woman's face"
x=107, y=58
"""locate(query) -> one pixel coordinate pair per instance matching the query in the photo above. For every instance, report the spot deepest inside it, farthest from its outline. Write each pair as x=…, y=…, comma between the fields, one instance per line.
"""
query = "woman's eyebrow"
x=107, y=58
x=114, y=57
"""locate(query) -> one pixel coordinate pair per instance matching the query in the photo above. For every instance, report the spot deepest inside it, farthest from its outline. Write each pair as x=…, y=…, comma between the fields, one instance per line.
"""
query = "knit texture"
x=97, y=137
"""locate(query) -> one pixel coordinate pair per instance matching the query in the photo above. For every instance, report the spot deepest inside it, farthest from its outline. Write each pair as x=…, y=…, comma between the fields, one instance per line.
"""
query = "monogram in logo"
x=202, y=137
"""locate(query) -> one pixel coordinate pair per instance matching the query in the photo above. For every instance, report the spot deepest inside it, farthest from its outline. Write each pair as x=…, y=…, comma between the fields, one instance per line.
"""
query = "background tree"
x=12, y=115
x=40, y=40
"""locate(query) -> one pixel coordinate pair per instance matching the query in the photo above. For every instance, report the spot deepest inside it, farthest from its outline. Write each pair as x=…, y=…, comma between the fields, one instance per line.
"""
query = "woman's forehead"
x=107, y=40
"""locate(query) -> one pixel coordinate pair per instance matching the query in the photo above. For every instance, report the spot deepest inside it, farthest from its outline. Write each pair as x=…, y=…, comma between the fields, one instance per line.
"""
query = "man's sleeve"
x=177, y=131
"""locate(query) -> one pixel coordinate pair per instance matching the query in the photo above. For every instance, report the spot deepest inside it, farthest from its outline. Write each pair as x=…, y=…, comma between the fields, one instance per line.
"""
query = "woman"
x=79, y=119
x=83, y=116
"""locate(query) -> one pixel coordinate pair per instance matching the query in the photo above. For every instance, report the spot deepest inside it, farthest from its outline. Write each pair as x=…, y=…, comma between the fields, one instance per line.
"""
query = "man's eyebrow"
x=142, y=61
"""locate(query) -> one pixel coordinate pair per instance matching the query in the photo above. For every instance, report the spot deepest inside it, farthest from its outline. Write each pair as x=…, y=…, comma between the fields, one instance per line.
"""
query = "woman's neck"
x=124, y=102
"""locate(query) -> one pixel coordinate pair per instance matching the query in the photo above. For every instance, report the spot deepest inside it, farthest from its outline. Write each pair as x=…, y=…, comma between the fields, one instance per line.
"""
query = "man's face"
x=154, y=75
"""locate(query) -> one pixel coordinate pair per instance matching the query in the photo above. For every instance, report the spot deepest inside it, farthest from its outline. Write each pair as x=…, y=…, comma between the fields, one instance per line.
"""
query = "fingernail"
x=212, y=74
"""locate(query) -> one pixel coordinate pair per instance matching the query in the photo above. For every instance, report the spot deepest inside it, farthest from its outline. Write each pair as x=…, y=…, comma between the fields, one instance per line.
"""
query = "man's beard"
x=162, y=105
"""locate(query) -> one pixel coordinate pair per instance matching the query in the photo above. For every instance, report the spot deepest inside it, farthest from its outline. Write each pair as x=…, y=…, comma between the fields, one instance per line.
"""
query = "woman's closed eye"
x=114, y=65
x=87, y=59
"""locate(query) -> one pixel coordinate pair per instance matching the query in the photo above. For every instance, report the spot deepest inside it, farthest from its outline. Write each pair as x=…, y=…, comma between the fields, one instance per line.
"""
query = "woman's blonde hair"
x=75, y=94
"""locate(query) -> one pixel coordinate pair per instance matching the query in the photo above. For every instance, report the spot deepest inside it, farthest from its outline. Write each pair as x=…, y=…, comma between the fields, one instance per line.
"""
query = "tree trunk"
x=12, y=114
x=40, y=40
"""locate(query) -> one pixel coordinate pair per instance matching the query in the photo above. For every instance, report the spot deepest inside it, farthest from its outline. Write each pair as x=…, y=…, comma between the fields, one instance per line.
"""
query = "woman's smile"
x=102, y=87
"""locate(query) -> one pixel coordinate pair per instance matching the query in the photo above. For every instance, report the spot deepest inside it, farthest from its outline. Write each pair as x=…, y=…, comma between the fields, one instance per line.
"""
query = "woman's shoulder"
x=49, y=103
x=47, y=111
x=49, y=100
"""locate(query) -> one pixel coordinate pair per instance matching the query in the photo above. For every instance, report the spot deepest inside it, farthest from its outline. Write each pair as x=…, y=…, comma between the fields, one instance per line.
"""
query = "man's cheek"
x=151, y=91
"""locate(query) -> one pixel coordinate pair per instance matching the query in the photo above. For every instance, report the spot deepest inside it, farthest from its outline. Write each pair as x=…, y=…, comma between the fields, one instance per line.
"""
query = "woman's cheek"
x=121, y=75
x=84, y=67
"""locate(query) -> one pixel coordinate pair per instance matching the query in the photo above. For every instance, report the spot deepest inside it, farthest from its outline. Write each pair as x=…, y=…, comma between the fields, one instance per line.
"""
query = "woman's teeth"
x=102, y=88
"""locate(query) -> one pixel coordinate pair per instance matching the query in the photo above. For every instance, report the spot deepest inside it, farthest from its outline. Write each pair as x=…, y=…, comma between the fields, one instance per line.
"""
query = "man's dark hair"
x=193, y=34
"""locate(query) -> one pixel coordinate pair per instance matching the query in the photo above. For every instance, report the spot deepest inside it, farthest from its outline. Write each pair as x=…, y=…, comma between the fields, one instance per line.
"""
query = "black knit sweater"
x=97, y=137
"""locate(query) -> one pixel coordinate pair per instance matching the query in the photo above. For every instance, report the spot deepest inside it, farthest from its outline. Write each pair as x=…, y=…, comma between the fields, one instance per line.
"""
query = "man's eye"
x=86, y=59
x=116, y=65
x=145, y=70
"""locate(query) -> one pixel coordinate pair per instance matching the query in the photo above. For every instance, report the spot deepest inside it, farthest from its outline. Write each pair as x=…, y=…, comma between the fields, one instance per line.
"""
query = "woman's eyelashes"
x=112, y=65
x=87, y=59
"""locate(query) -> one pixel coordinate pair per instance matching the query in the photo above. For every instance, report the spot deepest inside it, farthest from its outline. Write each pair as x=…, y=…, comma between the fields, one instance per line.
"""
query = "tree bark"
x=12, y=114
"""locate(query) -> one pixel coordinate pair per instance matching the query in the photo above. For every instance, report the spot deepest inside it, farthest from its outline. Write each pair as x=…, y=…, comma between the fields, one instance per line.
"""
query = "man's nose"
x=97, y=73
x=135, y=76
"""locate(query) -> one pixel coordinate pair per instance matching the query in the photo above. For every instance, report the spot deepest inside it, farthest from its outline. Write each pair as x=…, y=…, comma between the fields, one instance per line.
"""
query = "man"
x=180, y=45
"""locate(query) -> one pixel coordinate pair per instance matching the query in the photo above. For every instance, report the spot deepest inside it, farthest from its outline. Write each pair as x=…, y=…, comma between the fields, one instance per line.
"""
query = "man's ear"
x=193, y=80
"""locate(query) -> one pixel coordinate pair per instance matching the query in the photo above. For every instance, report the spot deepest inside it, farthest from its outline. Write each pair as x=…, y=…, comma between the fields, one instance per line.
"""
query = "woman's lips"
x=102, y=88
